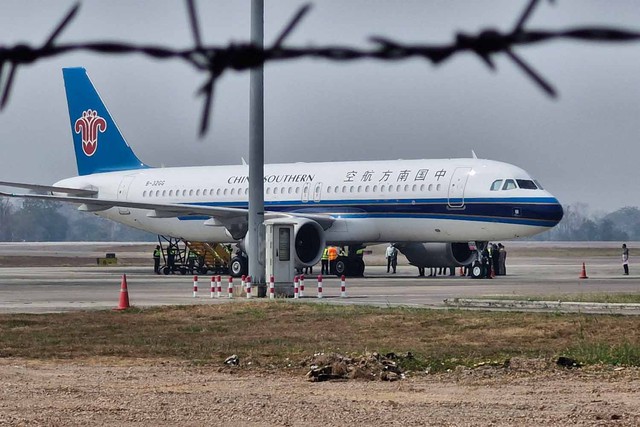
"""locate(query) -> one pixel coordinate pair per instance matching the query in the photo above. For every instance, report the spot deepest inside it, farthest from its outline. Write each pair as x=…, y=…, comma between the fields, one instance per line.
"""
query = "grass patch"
x=280, y=334
x=607, y=298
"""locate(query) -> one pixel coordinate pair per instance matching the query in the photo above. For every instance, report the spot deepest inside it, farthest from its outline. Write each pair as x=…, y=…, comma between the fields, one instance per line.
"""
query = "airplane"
x=438, y=212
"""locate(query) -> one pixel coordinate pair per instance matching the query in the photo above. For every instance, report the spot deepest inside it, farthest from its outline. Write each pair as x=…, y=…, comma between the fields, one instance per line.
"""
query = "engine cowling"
x=437, y=254
x=309, y=241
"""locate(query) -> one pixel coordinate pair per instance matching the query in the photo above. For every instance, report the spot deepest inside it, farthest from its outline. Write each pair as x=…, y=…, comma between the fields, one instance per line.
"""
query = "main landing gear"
x=350, y=263
x=480, y=267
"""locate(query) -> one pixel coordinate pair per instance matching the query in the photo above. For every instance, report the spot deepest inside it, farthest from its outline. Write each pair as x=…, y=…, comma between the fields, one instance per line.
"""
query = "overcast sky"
x=583, y=147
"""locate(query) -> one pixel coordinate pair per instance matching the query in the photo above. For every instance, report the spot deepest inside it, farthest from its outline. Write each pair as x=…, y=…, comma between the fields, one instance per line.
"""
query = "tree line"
x=45, y=221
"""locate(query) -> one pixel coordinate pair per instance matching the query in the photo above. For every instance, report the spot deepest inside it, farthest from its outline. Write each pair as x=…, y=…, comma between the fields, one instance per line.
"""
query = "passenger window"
x=268, y=190
x=375, y=188
x=509, y=185
x=144, y=193
x=430, y=187
x=164, y=193
x=497, y=184
x=366, y=189
x=197, y=192
x=438, y=187
x=526, y=184
x=275, y=190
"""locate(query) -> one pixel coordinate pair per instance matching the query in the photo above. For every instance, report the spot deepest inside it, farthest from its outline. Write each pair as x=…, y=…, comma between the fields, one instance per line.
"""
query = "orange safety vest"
x=333, y=253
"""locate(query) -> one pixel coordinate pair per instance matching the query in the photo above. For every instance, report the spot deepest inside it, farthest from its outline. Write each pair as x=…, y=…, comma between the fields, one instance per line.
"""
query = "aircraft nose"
x=556, y=212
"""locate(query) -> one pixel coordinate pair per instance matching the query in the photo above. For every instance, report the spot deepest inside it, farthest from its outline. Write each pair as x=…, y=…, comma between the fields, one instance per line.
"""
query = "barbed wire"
x=215, y=60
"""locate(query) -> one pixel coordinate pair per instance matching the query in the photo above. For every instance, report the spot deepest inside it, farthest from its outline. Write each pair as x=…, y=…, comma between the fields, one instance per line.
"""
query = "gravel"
x=143, y=392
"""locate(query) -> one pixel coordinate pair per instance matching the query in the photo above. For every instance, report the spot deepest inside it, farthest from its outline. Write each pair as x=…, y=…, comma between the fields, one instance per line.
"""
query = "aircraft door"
x=317, y=192
x=456, y=187
x=123, y=191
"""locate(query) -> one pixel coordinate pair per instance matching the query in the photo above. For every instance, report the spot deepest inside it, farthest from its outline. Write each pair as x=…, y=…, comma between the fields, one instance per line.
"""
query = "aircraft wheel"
x=183, y=271
x=238, y=266
x=166, y=270
x=476, y=270
x=340, y=267
x=202, y=270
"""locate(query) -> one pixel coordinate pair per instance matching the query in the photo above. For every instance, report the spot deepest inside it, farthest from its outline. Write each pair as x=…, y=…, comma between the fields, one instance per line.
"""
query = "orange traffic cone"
x=124, y=294
x=583, y=275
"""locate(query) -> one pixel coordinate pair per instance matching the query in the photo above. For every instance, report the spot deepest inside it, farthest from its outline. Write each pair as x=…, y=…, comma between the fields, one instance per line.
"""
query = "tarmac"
x=46, y=289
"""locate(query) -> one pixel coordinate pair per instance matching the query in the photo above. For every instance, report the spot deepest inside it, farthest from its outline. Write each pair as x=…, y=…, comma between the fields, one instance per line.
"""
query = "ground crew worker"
x=333, y=256
x=392, y=258
x=171, y=258
x=324, y=261
x=191, y=258
x=156, y=259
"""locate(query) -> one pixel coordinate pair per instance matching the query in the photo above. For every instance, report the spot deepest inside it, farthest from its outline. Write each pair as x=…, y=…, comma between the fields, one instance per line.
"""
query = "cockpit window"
x=526, y=184
x=496, y=185
x=538, y=184
x=509, y=184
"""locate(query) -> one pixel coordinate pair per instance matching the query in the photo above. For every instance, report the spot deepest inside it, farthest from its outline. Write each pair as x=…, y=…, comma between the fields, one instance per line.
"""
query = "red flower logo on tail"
x=89, y=125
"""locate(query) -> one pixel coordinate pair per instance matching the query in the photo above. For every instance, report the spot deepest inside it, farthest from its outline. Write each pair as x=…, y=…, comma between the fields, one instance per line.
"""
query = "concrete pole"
x=256, y=156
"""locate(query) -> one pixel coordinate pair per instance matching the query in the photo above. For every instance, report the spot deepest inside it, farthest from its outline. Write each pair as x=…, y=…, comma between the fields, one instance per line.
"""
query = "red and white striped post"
x=230, y=288
x=320, y=286
x=195, y=286
x=301, y=285
x=219, y=287
x=243, y=281
x=248, y=284
x=343, y=287
x=272, y=287
x=213, y=286
x=296, y=288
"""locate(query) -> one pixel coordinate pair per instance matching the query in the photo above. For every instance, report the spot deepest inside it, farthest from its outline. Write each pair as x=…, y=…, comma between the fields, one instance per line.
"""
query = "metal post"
x=256, y=228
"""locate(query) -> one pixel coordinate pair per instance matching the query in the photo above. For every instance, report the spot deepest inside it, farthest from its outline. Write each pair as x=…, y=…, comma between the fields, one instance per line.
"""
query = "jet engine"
x=309, y=241
x=437, y=254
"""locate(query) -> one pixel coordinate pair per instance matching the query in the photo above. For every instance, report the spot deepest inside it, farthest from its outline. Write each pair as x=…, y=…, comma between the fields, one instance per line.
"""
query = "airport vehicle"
x=433, y=209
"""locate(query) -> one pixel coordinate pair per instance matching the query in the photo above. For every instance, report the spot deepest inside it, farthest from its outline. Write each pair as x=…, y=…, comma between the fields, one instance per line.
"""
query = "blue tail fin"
x=98, y=143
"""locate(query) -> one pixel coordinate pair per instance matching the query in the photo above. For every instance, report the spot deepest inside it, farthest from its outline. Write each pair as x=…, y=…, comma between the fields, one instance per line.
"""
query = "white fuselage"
x=444, y=200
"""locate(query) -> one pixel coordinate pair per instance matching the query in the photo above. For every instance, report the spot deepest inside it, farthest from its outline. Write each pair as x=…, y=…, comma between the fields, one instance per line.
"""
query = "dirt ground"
x=111, y=392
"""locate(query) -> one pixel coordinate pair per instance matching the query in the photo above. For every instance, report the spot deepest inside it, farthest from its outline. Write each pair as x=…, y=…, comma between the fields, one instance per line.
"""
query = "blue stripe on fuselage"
x=542, y=211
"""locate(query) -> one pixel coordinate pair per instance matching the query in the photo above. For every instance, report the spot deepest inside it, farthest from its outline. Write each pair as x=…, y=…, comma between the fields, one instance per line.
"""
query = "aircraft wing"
x=49, y=189
x=234, y=219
